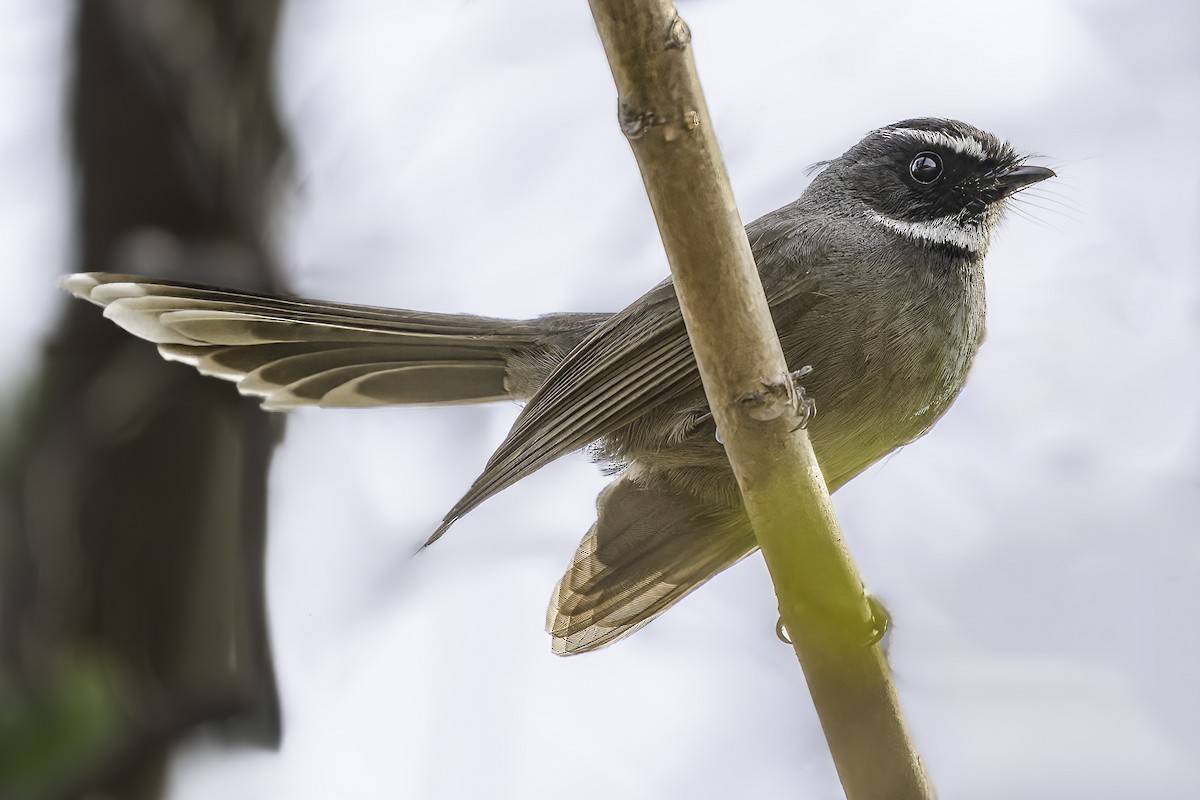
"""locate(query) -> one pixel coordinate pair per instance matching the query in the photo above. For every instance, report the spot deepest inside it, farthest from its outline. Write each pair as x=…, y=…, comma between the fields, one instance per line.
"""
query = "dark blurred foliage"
x=132, y=491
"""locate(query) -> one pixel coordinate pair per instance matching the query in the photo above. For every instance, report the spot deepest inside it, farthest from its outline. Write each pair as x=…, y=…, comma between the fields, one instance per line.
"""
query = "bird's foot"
x=880, y=622
x=804, y=407
x=772, y=400
x=877, y=626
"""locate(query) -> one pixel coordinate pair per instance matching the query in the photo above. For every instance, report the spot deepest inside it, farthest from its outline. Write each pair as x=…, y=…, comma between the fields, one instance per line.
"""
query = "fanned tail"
x=293, y=352
x=650, y=546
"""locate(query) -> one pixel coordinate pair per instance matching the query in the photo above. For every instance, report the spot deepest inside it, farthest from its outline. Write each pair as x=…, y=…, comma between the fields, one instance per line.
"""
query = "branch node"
x=636, y=122
x=679, y=35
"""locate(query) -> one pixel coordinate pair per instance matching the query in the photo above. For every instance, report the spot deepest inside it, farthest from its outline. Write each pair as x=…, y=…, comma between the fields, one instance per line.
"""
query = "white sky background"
x=1040, y=550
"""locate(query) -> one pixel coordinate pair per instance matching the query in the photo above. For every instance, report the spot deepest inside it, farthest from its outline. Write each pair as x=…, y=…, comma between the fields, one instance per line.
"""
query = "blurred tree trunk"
x=133, y=500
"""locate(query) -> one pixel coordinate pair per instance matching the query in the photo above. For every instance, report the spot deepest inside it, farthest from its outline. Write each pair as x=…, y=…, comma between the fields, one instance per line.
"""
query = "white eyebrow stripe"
x=943, y=230
x=966, y=145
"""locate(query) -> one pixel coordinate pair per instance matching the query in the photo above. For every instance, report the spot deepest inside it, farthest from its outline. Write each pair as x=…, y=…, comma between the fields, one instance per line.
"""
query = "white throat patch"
x=950, y=230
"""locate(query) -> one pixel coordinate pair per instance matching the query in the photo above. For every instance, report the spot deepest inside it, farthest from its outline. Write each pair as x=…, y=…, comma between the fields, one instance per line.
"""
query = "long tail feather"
x=294, y=352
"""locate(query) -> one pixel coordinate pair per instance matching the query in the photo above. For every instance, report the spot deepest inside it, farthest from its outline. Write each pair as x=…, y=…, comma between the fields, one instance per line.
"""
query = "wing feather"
x=636, y=360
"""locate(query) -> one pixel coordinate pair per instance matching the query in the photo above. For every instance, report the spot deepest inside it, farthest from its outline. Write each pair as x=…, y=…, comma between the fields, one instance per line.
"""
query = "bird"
x=874, y=278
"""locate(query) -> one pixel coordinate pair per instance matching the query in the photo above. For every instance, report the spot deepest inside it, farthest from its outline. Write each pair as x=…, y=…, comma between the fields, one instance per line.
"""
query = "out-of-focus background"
x=1039, y=550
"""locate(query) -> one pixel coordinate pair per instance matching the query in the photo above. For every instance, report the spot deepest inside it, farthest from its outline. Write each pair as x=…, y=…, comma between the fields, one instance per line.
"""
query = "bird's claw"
x=880, y=622
x=804, y=407
x=878, y=625
x=772, y=400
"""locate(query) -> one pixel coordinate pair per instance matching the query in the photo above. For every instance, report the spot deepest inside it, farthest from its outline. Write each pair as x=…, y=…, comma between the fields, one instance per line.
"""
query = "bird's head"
x=938, y=183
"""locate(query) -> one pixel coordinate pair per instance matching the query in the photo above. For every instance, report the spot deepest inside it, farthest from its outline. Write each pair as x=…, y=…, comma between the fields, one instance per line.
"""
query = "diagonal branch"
x=821, y=599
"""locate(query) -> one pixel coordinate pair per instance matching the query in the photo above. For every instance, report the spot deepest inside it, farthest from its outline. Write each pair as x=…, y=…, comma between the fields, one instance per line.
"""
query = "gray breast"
x=897, y=346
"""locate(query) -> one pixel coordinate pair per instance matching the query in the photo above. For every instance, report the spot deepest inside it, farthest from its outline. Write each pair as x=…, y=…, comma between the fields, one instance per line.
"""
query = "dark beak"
x=1014, y=180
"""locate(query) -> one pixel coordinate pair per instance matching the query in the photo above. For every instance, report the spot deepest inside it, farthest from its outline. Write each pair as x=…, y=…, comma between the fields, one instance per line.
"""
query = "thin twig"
x=821, y=599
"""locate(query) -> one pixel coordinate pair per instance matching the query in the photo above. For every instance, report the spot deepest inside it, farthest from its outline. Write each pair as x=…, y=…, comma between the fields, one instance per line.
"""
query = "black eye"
x=926, y=167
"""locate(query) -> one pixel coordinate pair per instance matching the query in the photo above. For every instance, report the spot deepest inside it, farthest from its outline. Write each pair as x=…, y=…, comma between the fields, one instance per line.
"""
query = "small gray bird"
x=875, y=281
